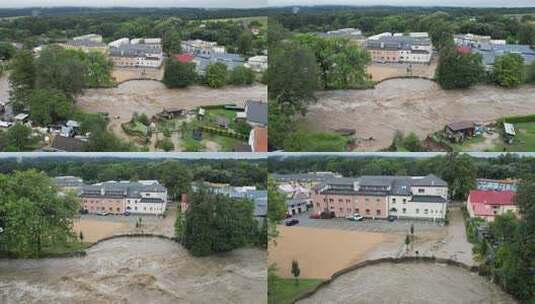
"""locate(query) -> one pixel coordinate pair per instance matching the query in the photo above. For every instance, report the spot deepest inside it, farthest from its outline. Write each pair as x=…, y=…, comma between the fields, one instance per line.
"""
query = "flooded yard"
x=412, y=105
x=137, y=270
x=151, y=97
x=410, y=283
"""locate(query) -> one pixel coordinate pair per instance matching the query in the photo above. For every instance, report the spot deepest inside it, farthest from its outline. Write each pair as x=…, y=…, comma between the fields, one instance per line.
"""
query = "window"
x=417, y=210
x=356, y=210
x=404, y=210
x=425, y=211
x=421, y=190
x=341, y=209
x=367, y=199
x=377, y=200
x=340, y=200
x=368, y=211
x=317, y=205
x=404, y=201
x=393, y=200
x=118, y=209
x=378, y=212
x=331, y=200
x=348, y=201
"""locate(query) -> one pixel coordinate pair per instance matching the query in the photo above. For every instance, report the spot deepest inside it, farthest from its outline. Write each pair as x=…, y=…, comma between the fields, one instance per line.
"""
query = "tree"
x=179, y=75
x=101, y=140
x=179, y=225
x=459, y=171
x=296, y=271
x=216, y=75
x=277, y=209
x=508, y=70
x=18, y=138
x=242, y=76
x=49, y=105
x=412, y=143
x=22, y=78
x=98, y=69
x=172, y=42
x=292, y=77
x=64, y=70
x=245, y=42
x=7, y=51
x=176, y=177
x=458, y=70
x=407, y=242
x=166, y=144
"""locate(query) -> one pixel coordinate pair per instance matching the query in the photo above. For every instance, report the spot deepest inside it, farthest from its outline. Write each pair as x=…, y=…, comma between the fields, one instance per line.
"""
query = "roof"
x=67, y=144
x=492, y=197
x=257, y=111
x=260, y=139
x=464, y=49
x=121, y=189
x=461, y=125
x=68, y=181
x=428, y=199
x=184, y=57
x=509, y=128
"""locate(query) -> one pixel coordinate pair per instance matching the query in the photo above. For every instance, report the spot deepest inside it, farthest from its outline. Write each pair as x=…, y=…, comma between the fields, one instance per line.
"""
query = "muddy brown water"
x=410, y=283
x=412, y=105
x=137, y=270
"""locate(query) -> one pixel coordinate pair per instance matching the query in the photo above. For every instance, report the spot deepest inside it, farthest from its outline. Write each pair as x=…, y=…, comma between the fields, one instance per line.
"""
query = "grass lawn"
x=65, y=249
x=465, y=146
x=285, y=291
x=227, y=143
x=212, y=114
x=524, y=140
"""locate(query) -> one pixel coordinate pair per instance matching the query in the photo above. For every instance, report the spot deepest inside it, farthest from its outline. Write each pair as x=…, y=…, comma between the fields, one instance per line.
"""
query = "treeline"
x=459, y=170
x=176, y=175
x=216, y=223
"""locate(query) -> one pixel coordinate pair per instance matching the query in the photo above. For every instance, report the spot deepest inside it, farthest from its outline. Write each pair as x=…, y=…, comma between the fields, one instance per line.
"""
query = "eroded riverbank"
x=414, y=283
x=412, y=105
x=137, y=270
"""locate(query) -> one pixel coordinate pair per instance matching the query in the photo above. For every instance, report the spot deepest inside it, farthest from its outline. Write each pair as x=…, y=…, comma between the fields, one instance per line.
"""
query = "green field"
x=524, y=141
x=285, y=291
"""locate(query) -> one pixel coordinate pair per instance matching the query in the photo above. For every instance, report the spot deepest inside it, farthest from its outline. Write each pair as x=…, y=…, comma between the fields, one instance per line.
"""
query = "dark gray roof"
x=428, y=199
x=134, y=50
x=67, y=144
x=304, y=177
x=257, y=111
x=148, y=200
x=68, y=181
x=120, y=189
x=429, y=180
x=87, y=43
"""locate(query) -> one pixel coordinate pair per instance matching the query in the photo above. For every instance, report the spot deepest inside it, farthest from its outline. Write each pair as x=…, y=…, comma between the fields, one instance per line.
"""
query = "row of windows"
x=348, y=201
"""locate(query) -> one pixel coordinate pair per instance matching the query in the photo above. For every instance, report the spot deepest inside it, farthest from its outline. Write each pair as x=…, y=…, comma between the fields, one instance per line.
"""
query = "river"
x=410, y=283
x=412, y=105
x=137, y=270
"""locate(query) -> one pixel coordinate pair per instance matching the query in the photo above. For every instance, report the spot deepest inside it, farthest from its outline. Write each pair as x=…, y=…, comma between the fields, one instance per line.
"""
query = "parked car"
x=315, y=215
x=391, y=218
x=127, y=213
x=288, y=215
x=327, y=215
x=355, y=217
x=292, y=222
x=102, y=213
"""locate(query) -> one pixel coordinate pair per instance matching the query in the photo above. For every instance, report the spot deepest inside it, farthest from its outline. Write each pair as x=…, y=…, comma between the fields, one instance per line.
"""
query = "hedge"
x=223, y=132
x=518, y=119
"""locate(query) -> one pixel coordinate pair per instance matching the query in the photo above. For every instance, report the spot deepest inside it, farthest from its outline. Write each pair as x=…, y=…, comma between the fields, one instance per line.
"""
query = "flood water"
x=413, y=105
x=137, y=270
x=410, y=283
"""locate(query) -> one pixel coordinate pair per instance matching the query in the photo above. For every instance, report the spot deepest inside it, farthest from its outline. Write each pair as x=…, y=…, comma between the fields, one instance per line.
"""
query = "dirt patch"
x=322, y=252
x=151, y=97
x=418, y=283
x=123, y=74
x=381, y=71
x=412, y=105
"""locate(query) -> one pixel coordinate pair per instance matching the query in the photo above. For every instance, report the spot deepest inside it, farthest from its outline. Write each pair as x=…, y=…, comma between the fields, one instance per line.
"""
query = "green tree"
x=216, y=75
x=179, y=75
x=172, y=42
x=7, y=51
x=49, y=105
x=456, y=70
x=296, y=271
x=412, y=143
x=22, y=78
x=508, y=70
x=459, y=171
x=277, y=209
x=242, y=76
x=64, y=70
x=176, y=177
x=166, y=144
x=18, y=138
x=98, y=69
x=245, y=42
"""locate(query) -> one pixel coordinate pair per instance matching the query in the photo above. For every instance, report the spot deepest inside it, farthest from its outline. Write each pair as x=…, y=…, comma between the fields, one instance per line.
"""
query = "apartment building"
x=400, y=48
x=87, y=43
x=120, y=197
x=412, y=197
x=487, y=204
x=139, y=53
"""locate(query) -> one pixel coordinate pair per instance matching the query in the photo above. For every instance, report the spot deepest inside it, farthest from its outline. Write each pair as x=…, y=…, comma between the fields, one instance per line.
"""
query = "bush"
x=242, y=76
x=216, y=75
x=179, y=75
x=165, y=144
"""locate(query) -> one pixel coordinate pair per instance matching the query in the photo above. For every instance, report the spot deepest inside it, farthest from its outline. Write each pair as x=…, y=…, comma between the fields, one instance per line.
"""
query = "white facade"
x=257, y=63
x=89, y=37
x=117, y=43
x=201, y=46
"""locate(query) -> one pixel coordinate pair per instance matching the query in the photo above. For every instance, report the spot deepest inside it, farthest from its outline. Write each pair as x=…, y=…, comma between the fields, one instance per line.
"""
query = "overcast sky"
x=260, y=3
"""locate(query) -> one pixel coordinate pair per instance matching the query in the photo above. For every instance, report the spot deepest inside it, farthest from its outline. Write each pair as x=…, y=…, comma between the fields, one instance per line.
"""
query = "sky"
x=260, y=3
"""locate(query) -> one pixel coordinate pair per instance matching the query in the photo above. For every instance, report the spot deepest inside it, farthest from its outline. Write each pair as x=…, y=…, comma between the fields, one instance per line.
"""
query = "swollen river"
x=410, y=283
x=137, y=270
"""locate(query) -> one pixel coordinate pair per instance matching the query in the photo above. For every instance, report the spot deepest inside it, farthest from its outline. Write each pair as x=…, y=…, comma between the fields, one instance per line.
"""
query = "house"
x=124, y=53
x=257, y=63
x=21, y=117
x=298, y=204
x=120, y=197
x=410, y=197
x=460, y=130
x=399, y=48
x=352, y=34
x=258, y=139
x=89, y=37
x=203, y=60
x=66, y=144
x=200, y=47
x=86, y=45
x=172, y=112
x=184, y=57
x=488, y=204
x=256, y=113
x=497, y=184
x=305, y=180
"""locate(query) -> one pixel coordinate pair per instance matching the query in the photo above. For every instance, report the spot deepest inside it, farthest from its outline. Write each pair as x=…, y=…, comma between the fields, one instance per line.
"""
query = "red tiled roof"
x=482, y=209
x=261, y=139
x=464, y=49
x=184, y=57
x=492, y=197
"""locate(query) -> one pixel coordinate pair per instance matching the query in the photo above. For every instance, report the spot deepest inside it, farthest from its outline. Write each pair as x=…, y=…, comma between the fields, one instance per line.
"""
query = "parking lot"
x=368, y=225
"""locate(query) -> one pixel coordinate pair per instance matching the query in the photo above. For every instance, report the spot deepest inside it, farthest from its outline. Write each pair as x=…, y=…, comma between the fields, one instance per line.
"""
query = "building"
x=117, y=43
x=490, y=49
x=256, y=113
x=488, y=204
x=69, y=183
x=141, y=197
x=66, y=144
x=412, y=197
x=258, y=139
x=399, y=48
x=184, y=57
x=487, y=184
x=460, y=130
x=201, y=47
x=89, y=37
x=87, y=43
x=306, y=180
x=257, y=63
x=137, y=55
x=203, y=60
x=352, y=34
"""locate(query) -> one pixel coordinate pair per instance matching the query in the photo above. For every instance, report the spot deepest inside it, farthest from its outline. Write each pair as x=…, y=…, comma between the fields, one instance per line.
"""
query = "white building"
x=89, y=37
x=257, y=63
x=117, y=43
x=201, y=47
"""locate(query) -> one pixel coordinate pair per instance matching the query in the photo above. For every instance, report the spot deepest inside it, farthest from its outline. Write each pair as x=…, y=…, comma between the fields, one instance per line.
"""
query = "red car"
x=315, y=215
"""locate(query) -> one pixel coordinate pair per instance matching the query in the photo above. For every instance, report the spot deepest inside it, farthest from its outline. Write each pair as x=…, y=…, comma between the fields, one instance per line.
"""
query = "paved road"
x=368, y=225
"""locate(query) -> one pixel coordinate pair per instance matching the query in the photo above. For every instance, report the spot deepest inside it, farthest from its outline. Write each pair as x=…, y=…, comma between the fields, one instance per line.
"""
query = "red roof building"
x=488, y=204
x=184, y=57
x=464, y=49
x=258, y=139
